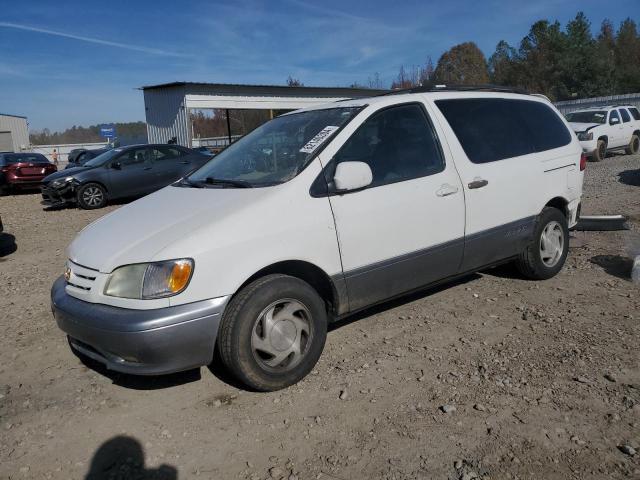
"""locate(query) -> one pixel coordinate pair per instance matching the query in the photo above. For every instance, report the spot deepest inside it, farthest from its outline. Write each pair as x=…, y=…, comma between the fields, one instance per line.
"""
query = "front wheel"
x=544, y=257
x=273, y=332
x=91, y=196
x=601, y=151
x=634, y=145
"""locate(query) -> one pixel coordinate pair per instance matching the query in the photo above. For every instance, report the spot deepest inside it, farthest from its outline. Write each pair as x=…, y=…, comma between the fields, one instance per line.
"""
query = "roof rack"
x=459, y=88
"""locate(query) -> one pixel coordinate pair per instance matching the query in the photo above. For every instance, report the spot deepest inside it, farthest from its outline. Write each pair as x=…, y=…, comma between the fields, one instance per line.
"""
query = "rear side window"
x=398, y=143
x=634, y=111
x=625, y=115
x=492, y=129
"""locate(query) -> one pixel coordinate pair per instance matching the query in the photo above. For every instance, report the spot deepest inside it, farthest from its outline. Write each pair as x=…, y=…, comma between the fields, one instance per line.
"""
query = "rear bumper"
x=141, y=342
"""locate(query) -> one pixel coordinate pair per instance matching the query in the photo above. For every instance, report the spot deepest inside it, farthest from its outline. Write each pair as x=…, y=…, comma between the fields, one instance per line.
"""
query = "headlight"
x=61, y=181
x=585, y=135
x=150, y=280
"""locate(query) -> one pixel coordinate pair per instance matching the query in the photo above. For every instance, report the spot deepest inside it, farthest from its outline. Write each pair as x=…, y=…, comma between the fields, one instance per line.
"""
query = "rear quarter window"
x=492, y=129
x=635, y=113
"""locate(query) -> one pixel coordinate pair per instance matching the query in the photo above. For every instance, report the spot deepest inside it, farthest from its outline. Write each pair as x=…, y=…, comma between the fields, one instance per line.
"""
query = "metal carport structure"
x=168, y=105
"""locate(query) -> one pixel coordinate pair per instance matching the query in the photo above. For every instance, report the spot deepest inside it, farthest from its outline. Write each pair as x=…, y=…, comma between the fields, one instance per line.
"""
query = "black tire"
x=634, y=145
x=243, y=319
x=91, y=196
x=4, y=190
x=532, y=263
x=600, y=152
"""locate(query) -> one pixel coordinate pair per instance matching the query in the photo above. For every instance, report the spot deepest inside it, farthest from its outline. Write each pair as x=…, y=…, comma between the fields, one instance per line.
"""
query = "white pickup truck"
x=602, y=129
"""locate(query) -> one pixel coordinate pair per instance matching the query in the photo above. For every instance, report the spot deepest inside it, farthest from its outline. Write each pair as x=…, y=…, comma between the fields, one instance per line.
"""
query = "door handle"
x=147, y=168
x=446, y=190
x=478, y=183
x=185, y=162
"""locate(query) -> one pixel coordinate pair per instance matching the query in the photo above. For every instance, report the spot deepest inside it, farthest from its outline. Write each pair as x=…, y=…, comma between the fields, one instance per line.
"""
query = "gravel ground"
x=491, y=377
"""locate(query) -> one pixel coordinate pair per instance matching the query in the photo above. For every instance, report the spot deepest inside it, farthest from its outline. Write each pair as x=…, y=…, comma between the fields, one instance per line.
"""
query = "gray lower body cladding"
x=383, y=280
x=141, y=342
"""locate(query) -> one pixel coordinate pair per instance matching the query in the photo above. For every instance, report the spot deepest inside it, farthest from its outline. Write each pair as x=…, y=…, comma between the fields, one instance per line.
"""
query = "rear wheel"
x=273, y=332
x=4, y=190
x=91, y=196
x=544, y=257
x=601, y=151
x=634, y=145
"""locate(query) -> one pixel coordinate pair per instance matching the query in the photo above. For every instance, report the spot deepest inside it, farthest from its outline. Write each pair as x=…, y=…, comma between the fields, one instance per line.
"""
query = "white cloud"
x=126, y=46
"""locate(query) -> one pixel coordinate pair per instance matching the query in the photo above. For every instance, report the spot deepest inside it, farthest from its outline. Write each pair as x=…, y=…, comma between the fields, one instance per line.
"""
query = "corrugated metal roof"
x=242, y=88
x=9, y=115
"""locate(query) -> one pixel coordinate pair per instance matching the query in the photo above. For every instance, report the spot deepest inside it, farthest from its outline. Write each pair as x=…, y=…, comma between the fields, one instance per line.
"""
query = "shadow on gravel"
x=123, y=457
x=408, y=298
x=140, y=382
x=615, y=265
x=7, y=244
x=630, y=177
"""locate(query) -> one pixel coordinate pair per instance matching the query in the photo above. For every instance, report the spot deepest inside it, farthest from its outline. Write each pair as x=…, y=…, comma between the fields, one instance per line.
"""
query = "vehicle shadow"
x=615, y=265
x=7, y=244
x=123, y=457
x=630, y=177
x=140, y=382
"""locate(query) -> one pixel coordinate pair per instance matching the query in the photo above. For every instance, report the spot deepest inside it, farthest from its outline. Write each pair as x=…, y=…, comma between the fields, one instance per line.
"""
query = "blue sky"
x=77, y=62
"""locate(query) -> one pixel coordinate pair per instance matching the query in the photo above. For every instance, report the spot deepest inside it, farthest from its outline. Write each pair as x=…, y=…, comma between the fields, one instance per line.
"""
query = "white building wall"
x=19, y=131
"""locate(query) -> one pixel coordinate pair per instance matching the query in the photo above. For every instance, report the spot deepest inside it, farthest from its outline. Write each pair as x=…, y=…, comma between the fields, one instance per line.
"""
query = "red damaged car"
x=23, y=170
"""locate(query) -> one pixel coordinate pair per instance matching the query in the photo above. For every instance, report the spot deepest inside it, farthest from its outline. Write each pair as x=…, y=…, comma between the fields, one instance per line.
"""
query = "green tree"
x=541, y=55
x=503, y=65
x=628, y=57
x=462, y=64
x=605, y=60
x=578, y=62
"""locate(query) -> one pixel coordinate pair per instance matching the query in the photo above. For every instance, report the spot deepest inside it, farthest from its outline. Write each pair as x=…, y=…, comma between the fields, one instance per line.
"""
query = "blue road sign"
x=107, y=131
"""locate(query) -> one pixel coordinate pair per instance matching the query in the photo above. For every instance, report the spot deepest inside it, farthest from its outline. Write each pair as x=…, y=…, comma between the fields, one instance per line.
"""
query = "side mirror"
x=614, y=121
x=351, y=176
x=116, y=166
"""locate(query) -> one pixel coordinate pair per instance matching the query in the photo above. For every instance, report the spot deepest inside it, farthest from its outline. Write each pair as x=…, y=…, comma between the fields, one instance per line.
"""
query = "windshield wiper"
x=223, y=181
x=185, y=182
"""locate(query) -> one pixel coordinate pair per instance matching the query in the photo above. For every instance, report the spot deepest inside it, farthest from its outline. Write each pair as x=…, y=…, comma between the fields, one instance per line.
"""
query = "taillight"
x=583, y=161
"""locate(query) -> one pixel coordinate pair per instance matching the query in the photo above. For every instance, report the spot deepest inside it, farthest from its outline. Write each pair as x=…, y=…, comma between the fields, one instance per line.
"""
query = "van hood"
x=138, y=231
x=582, y=127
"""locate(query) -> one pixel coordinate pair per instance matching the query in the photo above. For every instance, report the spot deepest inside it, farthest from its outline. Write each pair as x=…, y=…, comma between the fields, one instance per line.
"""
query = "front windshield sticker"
x=319, y=139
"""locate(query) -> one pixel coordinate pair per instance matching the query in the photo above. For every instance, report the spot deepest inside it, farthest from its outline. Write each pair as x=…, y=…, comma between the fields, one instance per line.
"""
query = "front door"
x=407, y=228
x=131, y=173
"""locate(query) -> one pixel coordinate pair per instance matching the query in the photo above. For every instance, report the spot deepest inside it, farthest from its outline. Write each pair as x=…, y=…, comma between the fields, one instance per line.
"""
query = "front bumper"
x=589, y=146
x=53, y=197
x=141, y=342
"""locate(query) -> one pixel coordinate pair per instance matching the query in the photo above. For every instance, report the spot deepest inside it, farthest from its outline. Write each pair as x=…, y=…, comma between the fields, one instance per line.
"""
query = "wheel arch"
x=328, y=289
x=559, y=203
x=97, y=182
x=605, y=138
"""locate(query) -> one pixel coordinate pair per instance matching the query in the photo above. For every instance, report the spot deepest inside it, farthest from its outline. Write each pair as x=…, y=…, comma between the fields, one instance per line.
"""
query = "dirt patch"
x=543, y=377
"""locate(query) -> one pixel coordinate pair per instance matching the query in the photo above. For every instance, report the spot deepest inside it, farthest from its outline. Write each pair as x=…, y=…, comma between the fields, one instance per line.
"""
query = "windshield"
x=587, y=117
x=274, y=152
x=103, y=158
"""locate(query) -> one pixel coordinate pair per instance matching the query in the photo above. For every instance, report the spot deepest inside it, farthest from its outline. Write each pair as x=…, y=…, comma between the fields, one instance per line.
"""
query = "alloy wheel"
x=92, y=196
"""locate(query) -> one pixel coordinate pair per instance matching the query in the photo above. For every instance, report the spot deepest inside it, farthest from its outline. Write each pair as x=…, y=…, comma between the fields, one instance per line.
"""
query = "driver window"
x=398, y=144
x=614, y=114
x=135, y=156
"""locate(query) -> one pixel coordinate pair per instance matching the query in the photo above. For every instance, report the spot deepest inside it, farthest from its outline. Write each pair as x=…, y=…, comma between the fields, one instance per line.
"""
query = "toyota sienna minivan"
x=315, y=215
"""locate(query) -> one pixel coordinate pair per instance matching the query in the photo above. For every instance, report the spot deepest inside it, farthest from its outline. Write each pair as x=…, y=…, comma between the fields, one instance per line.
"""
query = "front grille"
x=80, y=277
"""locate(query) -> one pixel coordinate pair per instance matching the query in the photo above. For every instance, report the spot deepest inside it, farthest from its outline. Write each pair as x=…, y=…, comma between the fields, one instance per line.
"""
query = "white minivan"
x=315, y=215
